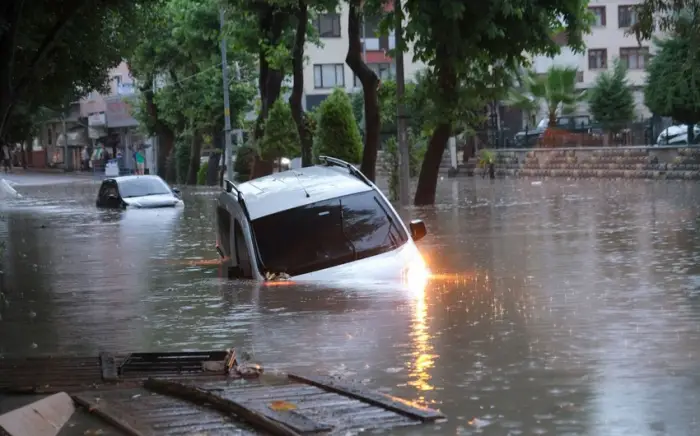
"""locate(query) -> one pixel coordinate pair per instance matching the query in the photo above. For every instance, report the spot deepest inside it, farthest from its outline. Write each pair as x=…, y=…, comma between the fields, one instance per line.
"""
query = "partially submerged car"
x=326, y=222
x=137, y=192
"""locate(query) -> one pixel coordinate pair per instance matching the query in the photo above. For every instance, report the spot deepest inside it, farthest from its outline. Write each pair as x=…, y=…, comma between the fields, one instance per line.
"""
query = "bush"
x=281, y=138
x=417, y=147
x=182, y=159
x=202, y=173
x=244, y=160
x=337, y=134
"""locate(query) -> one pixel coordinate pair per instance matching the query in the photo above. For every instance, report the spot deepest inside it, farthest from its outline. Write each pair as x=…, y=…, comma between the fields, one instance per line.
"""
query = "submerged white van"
x=326, y=222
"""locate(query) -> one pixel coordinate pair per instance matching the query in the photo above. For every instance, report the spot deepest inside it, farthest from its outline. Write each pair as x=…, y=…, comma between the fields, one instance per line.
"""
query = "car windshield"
x=327, y=233
x=142, y=186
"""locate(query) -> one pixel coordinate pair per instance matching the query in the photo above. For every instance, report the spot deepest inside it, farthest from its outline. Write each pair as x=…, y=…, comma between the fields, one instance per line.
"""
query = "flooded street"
x=561, y=308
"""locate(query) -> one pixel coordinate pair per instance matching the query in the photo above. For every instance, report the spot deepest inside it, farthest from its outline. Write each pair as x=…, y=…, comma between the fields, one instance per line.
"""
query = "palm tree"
x=556, y=89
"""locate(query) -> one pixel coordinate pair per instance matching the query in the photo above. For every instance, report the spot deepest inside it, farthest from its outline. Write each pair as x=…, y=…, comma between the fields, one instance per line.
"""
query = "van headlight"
x=416, y=275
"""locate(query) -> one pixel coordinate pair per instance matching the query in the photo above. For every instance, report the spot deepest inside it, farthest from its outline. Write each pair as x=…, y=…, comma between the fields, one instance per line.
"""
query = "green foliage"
x=417, y=147
x=45, y=66
x=179, y=53
x=337, y=134
x=486, y=158
x=182, y=158
x=676, y=17
x=202, y=173
x=357, y=100
x=556, y=90
x=611, y=100
x=480, y=55
x=281, y=138
x=673, y=80
x=244, y=160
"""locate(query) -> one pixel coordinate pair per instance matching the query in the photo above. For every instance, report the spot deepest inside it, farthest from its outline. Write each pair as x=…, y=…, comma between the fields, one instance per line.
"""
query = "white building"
x=606, y=42
x=326, y=68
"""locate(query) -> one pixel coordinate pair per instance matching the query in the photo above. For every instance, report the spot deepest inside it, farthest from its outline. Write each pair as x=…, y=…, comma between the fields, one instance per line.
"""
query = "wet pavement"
x=562, y=308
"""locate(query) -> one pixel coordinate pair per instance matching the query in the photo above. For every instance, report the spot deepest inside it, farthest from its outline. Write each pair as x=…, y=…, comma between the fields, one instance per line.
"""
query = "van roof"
x=288, y=189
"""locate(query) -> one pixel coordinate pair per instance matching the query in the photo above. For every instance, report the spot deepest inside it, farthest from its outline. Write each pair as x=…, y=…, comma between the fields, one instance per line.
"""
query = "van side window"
x=245, y=271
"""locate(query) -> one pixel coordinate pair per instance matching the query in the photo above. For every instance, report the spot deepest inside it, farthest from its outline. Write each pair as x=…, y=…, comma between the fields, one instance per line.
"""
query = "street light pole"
x=404, y=171
x=227, y=111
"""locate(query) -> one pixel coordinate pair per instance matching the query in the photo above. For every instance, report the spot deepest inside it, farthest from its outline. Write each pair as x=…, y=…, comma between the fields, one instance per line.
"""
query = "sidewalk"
x=57, y=171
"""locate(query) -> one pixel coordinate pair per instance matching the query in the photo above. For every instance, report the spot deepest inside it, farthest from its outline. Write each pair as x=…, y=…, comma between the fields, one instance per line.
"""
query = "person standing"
x=140, y=161
x=6, y=157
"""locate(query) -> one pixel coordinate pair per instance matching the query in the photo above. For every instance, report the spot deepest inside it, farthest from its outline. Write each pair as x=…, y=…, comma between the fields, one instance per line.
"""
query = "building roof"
x=289, y=189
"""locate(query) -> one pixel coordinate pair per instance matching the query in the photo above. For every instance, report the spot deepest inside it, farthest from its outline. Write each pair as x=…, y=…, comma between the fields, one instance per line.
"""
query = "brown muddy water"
x=560, y=307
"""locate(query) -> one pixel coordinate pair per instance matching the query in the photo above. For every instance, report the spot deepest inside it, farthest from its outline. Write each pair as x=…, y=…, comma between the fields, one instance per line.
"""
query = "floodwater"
x=562, y=307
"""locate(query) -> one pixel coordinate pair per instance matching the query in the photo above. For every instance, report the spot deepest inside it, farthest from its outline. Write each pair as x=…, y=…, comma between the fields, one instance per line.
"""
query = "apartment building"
x=606, y=42
x=326, y=68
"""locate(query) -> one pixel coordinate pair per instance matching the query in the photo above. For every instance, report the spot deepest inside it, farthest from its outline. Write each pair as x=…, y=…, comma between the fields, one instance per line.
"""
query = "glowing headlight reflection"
x=416, y=276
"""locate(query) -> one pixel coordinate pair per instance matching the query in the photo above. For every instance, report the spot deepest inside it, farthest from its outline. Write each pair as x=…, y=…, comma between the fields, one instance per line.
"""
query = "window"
x=143, y=186
x=634, y=58
x=384, y=71
x=329, y=75
x=597, y=59
x=579, y=76
x=326, y=234
x=599, y=15
x=626, y=16
x=328, y=25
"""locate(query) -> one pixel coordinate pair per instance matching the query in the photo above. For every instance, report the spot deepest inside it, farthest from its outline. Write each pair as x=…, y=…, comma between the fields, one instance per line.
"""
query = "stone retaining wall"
x=601, y=162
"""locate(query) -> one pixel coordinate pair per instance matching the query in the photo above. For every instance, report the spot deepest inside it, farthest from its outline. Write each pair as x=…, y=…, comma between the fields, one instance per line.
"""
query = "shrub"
x=244, y=160
x=417, y=147
x=182, y=159
x=202, y=173
x=337, y=133
x=281, y=138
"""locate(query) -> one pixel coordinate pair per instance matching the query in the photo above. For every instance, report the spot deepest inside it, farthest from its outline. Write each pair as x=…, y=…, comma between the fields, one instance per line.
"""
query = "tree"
x=281, y=135
x=667, y=16
x=479, y=55
x=556, y=90
x=337, y=134
x=58, y=49
x=673, y=85
x=611, y=100
x=370, y=82
x=177, y=61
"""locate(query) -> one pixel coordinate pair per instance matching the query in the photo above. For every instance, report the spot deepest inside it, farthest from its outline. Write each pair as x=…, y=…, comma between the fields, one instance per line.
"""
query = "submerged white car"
x=326, y=222
x=137, y=192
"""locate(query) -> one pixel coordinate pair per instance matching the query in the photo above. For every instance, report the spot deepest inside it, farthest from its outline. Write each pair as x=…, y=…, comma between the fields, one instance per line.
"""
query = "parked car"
x=568, y=123
x=325, y=222
x=676, y=135
x=137, y=192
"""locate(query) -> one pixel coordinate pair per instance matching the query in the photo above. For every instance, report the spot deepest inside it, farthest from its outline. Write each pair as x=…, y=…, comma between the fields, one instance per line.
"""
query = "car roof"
x=288, y=189
x=128, y=178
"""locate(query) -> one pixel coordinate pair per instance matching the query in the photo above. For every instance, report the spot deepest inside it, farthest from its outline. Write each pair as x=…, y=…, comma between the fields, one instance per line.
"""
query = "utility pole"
x=227, y=111
x=404, y=171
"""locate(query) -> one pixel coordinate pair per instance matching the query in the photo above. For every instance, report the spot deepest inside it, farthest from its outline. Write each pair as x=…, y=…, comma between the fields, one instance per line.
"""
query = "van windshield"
x=327, y=233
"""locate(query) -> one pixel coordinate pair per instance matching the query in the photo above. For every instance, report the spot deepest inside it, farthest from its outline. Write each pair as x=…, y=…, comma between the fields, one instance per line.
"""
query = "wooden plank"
x=200, y=396
x=108, y=366
x=387, y=402
x=290, y=418
x=114, y=416
x=45, y=417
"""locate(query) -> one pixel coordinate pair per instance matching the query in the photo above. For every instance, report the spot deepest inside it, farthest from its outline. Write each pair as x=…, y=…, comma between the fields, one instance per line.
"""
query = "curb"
x=45, y=417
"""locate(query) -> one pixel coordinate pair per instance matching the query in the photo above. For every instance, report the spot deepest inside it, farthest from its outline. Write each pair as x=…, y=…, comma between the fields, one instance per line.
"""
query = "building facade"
x=110, y=117
x=326, y=69
x=607, y=41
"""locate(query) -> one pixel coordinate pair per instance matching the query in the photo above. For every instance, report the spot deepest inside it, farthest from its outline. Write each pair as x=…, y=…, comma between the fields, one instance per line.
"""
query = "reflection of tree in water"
x=28, y=303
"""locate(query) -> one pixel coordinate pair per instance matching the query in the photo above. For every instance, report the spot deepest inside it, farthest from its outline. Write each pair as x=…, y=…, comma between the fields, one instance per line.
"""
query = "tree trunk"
x=195, y=153
x=295, y=102
x=430, y=170
x=691, y=134
x=370, y=82
x=166, y=137
x=272, y=23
